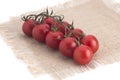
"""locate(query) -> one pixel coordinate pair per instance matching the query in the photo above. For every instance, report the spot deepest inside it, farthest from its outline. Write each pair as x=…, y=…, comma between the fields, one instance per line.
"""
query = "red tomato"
x=62, y=26
x=83, y=54
x=91, y=41
x=28, y=26
x=40, y=31
x=53, y=39
x=77, y=32
x=67, y=46
x=49, y=20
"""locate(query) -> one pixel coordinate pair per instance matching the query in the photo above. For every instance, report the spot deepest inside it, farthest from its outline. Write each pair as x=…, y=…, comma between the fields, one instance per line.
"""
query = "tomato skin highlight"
x=40, y=31
x=67, y=46
x=53, y=39
x=28, y=26
x=83, y=54
x=91, y=41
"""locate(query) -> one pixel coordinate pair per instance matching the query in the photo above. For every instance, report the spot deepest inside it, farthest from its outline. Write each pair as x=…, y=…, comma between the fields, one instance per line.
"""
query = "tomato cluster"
x=51, y=29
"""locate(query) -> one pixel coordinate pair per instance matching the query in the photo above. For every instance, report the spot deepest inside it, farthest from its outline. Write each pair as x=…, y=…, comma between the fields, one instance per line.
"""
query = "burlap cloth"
x=93, y=17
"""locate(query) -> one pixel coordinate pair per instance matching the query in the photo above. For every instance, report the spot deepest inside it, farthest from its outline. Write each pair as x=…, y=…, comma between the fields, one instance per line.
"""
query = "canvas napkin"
x=93, y=17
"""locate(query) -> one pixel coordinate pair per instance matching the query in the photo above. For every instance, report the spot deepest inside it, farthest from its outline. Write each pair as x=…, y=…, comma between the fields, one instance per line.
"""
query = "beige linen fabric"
x=93, y=17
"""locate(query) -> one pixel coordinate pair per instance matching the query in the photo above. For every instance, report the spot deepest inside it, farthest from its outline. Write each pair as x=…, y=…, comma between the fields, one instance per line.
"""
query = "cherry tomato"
x=49, y=20
x=28, y=26
x=83, y=54
x=91, y=41
x=77, y=32
x=67, y=46
x=53, y=39
x=40, y=31
x=61, y=26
